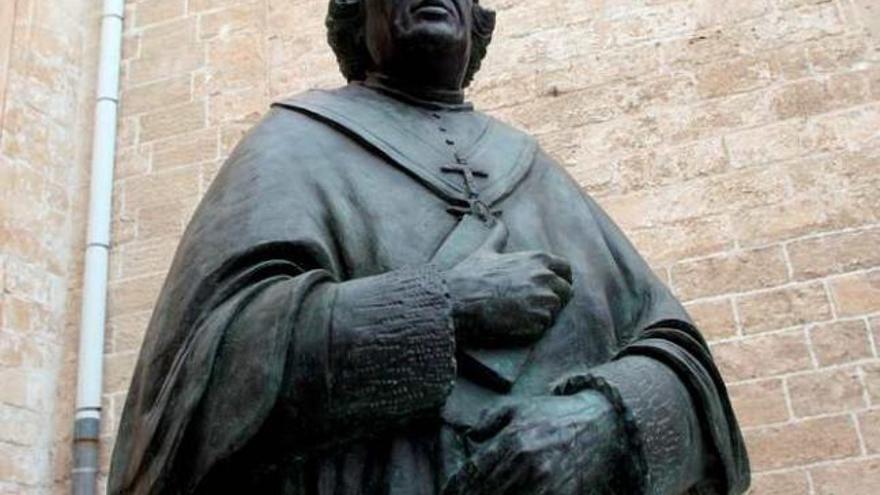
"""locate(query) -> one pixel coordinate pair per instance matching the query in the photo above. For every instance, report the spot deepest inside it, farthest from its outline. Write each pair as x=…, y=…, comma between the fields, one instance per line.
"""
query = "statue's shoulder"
x=544, y=165
x=283, y=146
x=505, y=128
x=339, y=99
x=279, y=126
x=285, y=137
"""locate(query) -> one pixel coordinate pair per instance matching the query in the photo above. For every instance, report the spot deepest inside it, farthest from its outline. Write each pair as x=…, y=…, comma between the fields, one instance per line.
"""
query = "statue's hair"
x=345, y=33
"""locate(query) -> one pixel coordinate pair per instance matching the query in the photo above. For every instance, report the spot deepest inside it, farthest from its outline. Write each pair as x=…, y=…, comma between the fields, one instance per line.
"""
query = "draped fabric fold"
x=240, y=365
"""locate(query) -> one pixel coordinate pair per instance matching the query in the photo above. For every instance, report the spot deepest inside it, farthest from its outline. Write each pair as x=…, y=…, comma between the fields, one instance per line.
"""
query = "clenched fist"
x=507, y=299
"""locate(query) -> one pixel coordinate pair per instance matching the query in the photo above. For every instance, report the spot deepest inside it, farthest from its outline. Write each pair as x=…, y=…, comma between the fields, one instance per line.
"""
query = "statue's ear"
x=481, y=36
x=345, y=34
x=484, y=20
x=345, y=8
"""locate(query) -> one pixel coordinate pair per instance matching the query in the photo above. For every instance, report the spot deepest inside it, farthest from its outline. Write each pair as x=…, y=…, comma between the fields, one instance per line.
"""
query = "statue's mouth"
x=434, y=9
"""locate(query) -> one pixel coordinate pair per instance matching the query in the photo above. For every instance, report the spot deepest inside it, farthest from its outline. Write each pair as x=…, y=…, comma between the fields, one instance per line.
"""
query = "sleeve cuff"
x=657, y=415
x=393, y=346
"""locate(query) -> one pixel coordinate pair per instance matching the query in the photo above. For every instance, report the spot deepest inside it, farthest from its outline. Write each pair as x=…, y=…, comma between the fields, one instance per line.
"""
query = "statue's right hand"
x=507, y=299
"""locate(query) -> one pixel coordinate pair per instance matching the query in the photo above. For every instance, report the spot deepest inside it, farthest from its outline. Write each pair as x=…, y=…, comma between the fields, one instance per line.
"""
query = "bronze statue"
x=385, y=291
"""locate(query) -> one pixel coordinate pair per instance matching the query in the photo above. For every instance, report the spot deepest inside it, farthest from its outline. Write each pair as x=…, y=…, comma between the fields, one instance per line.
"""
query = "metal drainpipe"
x=94, y=301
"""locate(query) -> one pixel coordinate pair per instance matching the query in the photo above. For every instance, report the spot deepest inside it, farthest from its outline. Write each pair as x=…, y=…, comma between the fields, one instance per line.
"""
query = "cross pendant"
x=469, y=174
x=475, y=206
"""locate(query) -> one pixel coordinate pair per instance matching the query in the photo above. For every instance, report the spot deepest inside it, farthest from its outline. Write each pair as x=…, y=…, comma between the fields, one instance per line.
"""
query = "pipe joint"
x=86, y=430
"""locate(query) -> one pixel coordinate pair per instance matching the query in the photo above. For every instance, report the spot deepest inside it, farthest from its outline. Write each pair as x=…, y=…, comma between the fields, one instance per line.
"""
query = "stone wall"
x=45, y=78
x=736, y=142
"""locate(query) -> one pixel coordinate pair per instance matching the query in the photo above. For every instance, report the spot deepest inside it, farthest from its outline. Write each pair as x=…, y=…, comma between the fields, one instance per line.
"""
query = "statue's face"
x=418, y=25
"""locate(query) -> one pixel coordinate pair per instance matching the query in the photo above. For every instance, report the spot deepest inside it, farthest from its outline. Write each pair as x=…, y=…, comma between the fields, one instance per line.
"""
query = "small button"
x=450, y=142
x=442, y=129
x=435, y=115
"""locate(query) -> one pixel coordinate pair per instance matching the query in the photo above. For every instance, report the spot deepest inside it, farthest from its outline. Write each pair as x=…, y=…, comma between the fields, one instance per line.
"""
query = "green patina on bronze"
x=385, y=291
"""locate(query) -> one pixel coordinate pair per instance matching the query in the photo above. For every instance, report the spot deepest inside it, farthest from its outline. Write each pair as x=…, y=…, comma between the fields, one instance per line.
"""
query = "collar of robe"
x=403, y=133
x=430, y=98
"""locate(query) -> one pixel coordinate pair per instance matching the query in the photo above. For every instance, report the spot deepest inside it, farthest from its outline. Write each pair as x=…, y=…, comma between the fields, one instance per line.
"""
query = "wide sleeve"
x=672, y=398
x=321, y=362
x=377, y=352
x=658, y=417
x=328, y=359
x=258, y=330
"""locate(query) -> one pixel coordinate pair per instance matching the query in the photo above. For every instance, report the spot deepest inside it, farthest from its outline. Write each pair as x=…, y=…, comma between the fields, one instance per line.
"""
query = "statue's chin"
x=431, y=36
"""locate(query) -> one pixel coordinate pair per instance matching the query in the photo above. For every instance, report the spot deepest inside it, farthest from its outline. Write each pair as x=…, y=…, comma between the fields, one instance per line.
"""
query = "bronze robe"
x=302, y=342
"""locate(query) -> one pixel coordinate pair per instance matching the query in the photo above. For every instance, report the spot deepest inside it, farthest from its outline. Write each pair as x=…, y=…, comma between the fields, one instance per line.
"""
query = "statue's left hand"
x=544, y=445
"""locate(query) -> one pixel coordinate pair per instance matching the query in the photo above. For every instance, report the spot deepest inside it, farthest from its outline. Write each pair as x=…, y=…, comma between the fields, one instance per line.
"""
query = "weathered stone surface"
x=162, y=188
x=869, y=425
x=714, y=132
x=46, y=83
x=840, y=342
x=241, y=17
x=856, y=294
x=872, y=381
x=785, y=483
x=761, y=356
x=715, y=318
x=781, y=308
x=151, y=96
x=759, y=403
x=804, y=442
x=172, y=121
x=851, y=477
x=735, y=272
x=158, y=10
x=837, y=253
x=825, y=392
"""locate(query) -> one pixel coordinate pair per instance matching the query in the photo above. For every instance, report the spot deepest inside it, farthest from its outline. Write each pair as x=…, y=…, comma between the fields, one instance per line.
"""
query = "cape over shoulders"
x=281, y=158
x=397, y=130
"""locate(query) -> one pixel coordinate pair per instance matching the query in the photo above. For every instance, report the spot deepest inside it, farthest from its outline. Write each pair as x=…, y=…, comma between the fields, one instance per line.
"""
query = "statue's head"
x=394, y=35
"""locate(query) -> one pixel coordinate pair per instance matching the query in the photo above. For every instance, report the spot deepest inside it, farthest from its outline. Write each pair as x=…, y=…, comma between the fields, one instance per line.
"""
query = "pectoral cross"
x=475, y=206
